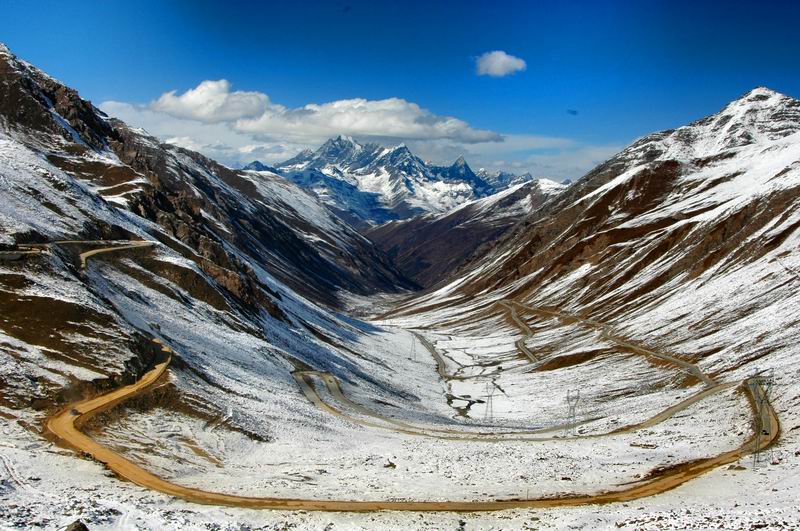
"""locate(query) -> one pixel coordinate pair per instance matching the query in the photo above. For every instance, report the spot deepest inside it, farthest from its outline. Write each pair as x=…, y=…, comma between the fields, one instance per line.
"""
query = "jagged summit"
x=338, y=148
x=503, y=179
x=259, y=166
x=369, y=183
x=340, y=143
x=759, y=116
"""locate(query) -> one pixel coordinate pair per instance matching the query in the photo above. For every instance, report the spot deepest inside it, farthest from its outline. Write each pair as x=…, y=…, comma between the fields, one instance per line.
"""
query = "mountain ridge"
x=703, y=166
x=369, y=184
x=198, y=201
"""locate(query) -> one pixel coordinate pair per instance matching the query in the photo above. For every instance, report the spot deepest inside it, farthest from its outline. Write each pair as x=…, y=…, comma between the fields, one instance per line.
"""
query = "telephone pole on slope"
x=573, y=397
x=761, y=384
x=489, y=411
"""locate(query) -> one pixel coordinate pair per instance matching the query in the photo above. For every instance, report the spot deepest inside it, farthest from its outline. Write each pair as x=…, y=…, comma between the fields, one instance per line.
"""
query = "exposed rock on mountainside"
x=429, y=248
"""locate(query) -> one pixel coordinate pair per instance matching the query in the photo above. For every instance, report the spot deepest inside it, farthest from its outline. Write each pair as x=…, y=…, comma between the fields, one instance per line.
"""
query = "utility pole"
x=489, y=412
x=761, y=384
x=414, y=348
x=573, y=397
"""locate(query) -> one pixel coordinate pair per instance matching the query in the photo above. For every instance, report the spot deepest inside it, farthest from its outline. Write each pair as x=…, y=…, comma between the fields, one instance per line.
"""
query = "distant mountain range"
x=369, y=184
x=666, y=276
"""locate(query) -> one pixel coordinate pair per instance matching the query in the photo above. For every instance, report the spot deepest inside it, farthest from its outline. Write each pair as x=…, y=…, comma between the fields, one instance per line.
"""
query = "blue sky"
x=597, y=74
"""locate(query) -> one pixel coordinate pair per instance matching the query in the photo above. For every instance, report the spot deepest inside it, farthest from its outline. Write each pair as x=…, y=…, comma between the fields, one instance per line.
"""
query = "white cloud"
x=212, y=102
x=253, y=113
x=215, y=140
x=498, y=64
x=277, y=134
x=391, y=117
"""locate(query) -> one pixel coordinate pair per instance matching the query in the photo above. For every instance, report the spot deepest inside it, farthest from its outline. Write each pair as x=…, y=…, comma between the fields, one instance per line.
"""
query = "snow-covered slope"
x=205, y=205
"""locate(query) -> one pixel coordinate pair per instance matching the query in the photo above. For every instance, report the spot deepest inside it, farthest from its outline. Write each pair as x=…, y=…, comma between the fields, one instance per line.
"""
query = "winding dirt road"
x=607, y=333
x=119, y=246
x=523, y=326
x=441, y=364
x=66, y=424
x=110, y=246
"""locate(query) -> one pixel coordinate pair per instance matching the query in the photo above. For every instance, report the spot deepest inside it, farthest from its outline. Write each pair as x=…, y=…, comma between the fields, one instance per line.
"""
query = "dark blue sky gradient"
x=628, y=68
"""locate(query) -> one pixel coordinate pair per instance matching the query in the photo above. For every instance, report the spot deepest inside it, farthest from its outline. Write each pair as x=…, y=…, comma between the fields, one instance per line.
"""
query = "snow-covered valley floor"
x=315, y=455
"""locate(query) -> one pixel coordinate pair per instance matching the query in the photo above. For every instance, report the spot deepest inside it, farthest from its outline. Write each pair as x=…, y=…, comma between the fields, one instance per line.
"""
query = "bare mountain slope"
x=429, y=248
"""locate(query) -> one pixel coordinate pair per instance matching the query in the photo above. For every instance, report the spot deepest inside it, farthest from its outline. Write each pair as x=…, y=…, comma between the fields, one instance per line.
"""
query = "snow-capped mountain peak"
x=370, y=184
x=258, y=166
x=503, y=179
x=758, y=117
x=338, y=148
x=762, y=113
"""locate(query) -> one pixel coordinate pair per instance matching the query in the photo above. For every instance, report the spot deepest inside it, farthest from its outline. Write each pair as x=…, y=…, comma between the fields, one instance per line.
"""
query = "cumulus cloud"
x=220, y=124
x=391, y=117
x=216, y=140
x=212, y=102
x=253, y=113
x=498, y=64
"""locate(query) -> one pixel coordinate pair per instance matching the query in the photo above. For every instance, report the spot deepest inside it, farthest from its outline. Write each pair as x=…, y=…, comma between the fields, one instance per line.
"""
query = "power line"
x=761, y=384
x=489, y=411
x=573, y=397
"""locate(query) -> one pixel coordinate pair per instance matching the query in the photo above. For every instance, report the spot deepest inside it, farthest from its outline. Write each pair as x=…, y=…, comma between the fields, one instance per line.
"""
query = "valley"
x=357, y=338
